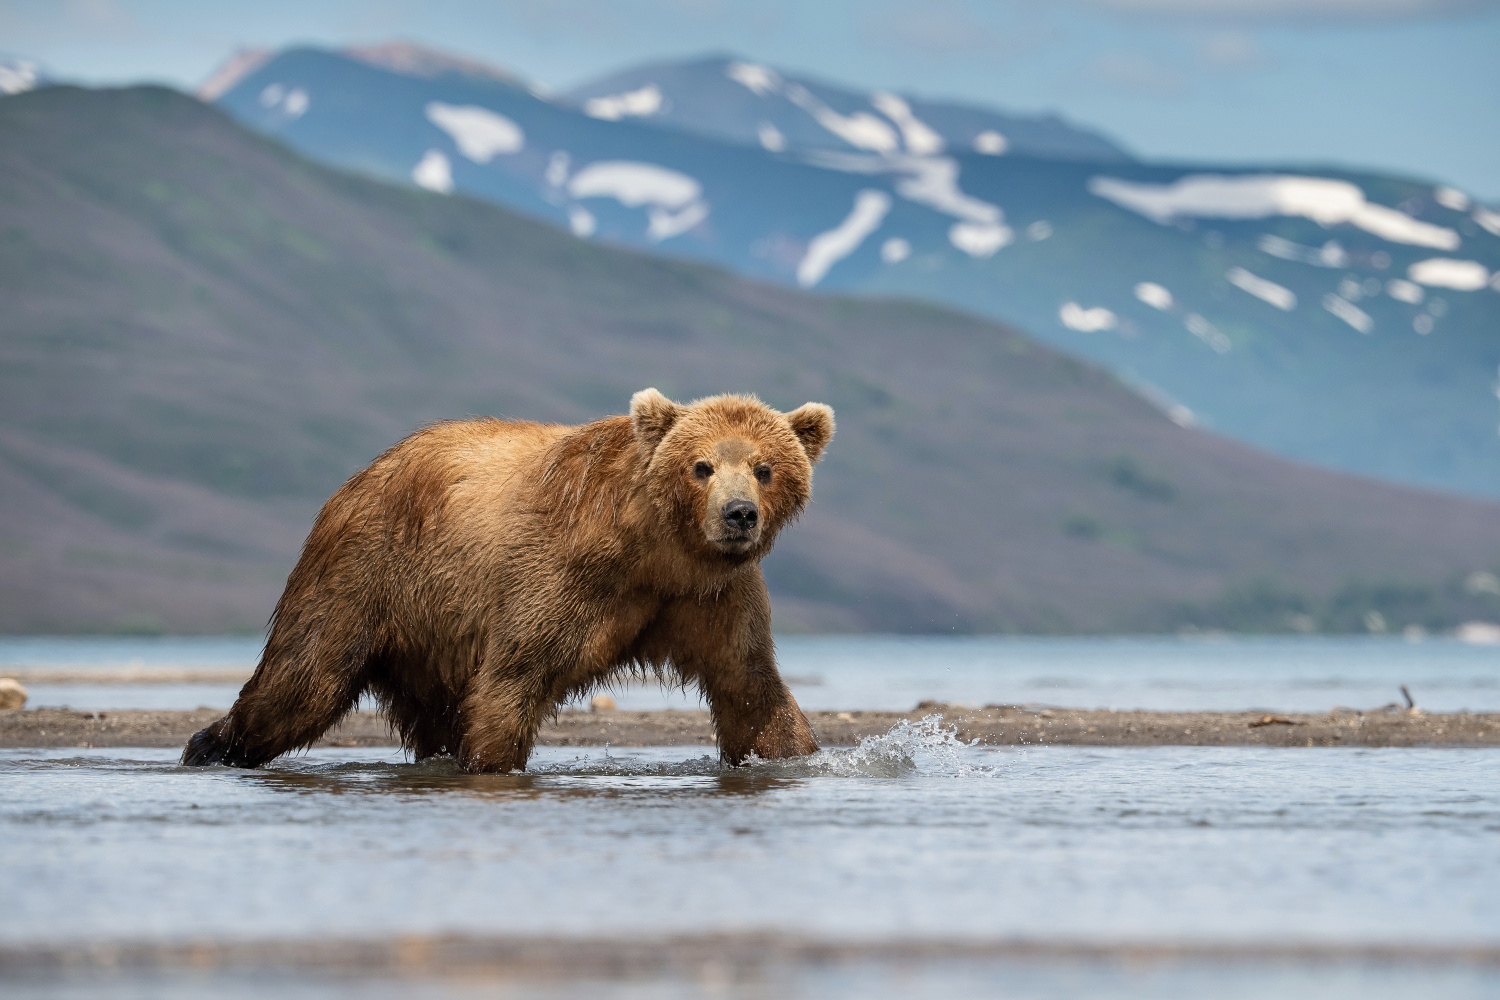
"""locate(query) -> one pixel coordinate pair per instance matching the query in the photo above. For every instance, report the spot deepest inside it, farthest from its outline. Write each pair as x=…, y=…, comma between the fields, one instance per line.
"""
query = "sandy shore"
x=997, y=725
x=743, y=955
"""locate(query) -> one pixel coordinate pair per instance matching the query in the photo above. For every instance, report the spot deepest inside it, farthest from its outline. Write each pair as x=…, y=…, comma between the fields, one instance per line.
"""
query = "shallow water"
x=951, y=980
x=910, y=834
x=894, y=673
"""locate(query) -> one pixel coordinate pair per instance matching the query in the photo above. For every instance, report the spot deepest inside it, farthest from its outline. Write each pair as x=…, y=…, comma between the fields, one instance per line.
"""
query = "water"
x=910, y=834
x=1010, y=979
x=908, y=837
x=104, y=655
x=890, y=673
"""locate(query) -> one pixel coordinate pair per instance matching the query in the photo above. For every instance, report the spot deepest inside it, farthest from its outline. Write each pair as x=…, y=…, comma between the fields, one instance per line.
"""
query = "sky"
x=1404, y=86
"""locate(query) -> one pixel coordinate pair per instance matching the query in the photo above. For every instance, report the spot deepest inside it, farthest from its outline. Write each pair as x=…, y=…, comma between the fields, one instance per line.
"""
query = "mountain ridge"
x=208, y=333
x=729, y=97
x=1337, y=317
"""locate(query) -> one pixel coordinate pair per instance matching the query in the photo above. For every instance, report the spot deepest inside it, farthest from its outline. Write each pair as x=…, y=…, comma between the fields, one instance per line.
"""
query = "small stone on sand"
x=12, y=694
x=601, y=703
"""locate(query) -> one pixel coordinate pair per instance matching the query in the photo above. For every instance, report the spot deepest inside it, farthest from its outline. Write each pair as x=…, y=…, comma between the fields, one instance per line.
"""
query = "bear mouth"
x=735, y=542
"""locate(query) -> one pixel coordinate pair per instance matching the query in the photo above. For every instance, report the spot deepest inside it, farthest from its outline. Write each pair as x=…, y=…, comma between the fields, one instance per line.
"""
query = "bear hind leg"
x=285, y=706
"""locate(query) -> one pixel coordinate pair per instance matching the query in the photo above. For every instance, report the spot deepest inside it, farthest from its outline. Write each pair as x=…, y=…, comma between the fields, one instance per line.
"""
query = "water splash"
x=927, y=747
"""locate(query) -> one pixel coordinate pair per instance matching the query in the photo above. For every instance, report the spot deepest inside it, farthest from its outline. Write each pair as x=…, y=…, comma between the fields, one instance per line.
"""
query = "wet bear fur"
x=480, y=573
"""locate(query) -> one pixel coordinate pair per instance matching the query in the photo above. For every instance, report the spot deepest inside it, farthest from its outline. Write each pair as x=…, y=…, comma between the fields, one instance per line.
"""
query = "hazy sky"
x=1406, y=85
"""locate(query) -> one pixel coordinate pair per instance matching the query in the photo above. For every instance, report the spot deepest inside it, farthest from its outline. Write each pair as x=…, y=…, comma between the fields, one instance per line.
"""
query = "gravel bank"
x=998, y=725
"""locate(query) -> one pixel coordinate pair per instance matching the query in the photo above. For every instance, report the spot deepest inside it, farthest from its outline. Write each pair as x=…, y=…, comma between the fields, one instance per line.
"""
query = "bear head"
x=728, y=472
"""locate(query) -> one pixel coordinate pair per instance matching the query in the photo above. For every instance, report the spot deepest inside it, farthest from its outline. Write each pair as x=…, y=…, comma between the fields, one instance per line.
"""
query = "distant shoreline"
x=995, y=725
x=489, y=958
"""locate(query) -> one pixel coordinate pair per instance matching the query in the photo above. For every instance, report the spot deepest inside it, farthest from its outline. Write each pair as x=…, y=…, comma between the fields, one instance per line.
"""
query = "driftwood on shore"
x=995, y=725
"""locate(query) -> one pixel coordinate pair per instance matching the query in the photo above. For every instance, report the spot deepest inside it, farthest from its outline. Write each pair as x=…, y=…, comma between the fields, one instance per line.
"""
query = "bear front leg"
x=768, y=724
x=725, y=645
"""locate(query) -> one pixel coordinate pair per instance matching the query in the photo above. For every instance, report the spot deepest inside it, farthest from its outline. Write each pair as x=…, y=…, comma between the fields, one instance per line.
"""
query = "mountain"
x=747, y=103
x=1330, y=316
x=204, y=334
x=20, y=75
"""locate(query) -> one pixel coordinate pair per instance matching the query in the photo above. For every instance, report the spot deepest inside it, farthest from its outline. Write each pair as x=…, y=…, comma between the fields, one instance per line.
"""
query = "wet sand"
x=994, y=725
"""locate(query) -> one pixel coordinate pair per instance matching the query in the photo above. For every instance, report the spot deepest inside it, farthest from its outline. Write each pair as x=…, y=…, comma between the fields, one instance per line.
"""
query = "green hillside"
x=203, y=334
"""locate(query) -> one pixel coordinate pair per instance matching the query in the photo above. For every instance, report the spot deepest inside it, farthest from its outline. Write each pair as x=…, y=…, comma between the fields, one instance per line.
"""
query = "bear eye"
x=702, y=470
x=763, y=473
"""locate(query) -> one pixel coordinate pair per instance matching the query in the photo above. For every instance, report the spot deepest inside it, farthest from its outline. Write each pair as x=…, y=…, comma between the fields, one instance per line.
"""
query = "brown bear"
x=482, y=572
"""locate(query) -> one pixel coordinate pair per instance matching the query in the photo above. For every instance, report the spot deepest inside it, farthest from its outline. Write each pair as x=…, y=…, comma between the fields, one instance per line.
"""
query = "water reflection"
x=895, y=754
x=583, y=778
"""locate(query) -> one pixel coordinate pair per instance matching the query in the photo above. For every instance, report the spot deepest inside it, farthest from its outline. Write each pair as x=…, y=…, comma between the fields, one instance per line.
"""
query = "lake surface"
x=908, y=837
x=895, y=673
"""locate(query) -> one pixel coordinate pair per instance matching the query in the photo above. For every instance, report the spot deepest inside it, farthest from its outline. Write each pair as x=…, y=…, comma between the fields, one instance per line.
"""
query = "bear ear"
x=813, y=425
x=651, y=416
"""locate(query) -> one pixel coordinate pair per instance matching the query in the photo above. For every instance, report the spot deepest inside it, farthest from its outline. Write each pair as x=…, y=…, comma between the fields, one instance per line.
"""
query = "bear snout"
x=741, y=516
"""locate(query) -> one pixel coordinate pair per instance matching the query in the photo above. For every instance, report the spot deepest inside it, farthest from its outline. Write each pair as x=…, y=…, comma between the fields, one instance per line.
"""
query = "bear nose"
x=740, y=514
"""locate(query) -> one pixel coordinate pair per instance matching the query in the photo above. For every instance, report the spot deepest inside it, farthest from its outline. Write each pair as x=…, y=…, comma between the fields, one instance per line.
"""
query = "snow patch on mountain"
x=663, y=224
x=292, y=103
x=558, y=165
x=1451, y=198
x=1264, y=289
x=1445, y=272
x=581, y=221
x=1154, y=295
x=1330, y=254
x=1095, y=320
x=861, y=130
x=895, y=250
x=929, y=181
x=990, y=143
x=640, y=103
x=478, y=132
x=672, y=199
x=1349, y=312
x=979, y=239
x=920, y=138
x=933, y=181
x=1488, y=220
x=1207, y=332
x=18, y=76
x=830, y=247
x=761, y=81
x=1257, y=196
x=434, y=172
x=633, y=184
x=1405, y=291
